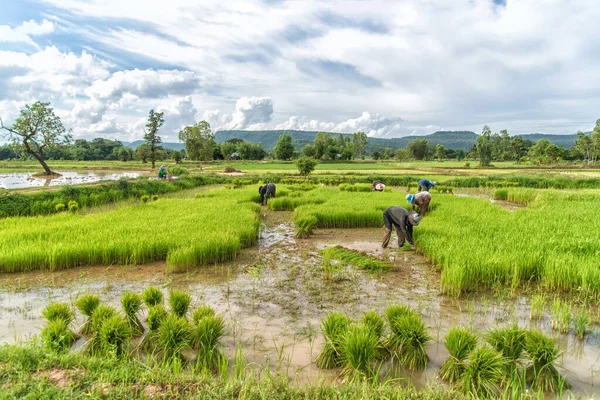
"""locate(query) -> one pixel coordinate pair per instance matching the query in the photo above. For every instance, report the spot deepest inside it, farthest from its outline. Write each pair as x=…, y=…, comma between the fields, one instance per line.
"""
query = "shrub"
x=179, y=301
x=57, y=337
x=86, y=305
x=152, y=296
x=460, y=343
x=60, y=207
x=73, y=206
x=58, y=311
x=178, y=171
x=154, y=197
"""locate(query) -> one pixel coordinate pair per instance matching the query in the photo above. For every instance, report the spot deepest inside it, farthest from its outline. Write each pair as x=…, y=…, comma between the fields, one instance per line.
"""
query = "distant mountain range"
x=454, y=140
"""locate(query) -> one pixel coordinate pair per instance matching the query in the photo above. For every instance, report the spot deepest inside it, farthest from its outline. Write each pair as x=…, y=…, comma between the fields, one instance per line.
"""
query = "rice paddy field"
x=297, y=299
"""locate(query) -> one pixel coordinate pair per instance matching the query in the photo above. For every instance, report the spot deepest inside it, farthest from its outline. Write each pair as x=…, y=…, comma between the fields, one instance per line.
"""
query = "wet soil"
x=18, y=180
x=274, y=295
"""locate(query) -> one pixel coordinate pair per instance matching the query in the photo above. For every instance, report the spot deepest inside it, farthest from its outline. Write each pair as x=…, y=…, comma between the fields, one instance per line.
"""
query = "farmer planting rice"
x=266, y=192
x=421, y=200
x=378, y=186
x=403, y=221
x=425, y=185
x=162, y=172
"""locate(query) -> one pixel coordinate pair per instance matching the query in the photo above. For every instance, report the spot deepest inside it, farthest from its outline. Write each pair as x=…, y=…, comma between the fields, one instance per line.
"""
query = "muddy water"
x=274, y=295
x=19, y=180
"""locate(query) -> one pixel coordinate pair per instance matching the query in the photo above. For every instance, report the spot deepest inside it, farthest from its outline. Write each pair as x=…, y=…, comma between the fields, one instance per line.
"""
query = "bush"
x=73, y=206
x=60, y=207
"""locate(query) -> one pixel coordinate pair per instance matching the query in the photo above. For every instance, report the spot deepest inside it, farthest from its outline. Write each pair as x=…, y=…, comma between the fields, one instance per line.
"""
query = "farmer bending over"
x=162, y=172
x=378, y=186
x=421, y=200
x=403, y=221
x=425, y=185
x=266, y=192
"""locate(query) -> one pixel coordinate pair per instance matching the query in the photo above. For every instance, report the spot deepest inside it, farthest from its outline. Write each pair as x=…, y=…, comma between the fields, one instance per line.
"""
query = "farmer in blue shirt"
x=425, y=185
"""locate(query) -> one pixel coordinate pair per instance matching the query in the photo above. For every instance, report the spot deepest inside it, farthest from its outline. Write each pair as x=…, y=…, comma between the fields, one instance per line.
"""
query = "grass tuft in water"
x=483, y=374
x=359, y=350
x=206, y=337
x=179, y=301
x=86, y=305
x=57, y=337
x=114, y=336
x=542, y=353
x=560, y=316
x=174, y=335
x=334, y=326
x=152, y=296
x=537, y=306
x=201, y=312
x=460, y=343
x=58, y=311
x=132, y=302
x=408, y=337
x=580, y=321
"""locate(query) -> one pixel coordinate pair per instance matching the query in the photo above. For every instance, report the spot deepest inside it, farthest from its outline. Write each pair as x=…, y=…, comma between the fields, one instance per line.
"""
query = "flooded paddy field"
x=274, y=295
x=20, y=180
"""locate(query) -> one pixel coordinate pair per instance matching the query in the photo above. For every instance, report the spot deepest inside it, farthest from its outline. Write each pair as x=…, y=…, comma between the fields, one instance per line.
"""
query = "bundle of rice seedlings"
x=152, y=296
x=207, y=334
x=86, y=305
x=460, y=343
x=131, y=303
x=173, y=336
x=542, y=353
x=201, y=312
x=58, y=311
x=333, y=326
x=483, y=374
x=359, y=349
x=408, y=337
x=179, y=301
x=373, y=321
x=510, y=343
x=100, y=314
x=305, y=226
x=57, y=337
x=113, y=336
x=156, y=315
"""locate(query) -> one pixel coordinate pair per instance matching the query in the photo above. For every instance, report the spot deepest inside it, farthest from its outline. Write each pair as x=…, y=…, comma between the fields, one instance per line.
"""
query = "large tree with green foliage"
x=322, y=142
x=155, y=121
x=199, y=141
x=418, y=149
x=37, y=129
x=483, y=144
x=440, y=152
x=359, y=144
x=284, y=149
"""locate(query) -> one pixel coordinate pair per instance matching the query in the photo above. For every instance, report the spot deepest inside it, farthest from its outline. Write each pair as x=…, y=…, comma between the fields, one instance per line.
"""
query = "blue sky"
x=387, y=68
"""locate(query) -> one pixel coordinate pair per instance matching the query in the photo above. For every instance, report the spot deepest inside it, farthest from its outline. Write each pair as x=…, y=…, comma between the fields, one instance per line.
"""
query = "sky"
x=387, y=68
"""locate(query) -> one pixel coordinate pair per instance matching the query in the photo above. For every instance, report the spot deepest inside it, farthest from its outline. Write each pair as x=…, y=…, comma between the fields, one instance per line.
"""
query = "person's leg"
x=401, y=237
x=388, y=230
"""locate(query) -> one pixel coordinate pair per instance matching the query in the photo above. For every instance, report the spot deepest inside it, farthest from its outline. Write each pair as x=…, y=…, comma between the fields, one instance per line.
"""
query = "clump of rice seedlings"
x=408, y=337
x=329, y=268
x=154, y=197
x=179, y=301
x=373, y=321
x=305, y=226
x=156, y=315
x=86, y=305
x=201, y=312
x=483, y=374
x=173, y=336
x=357, y=259
x=57, y=337
x=101, y=314
x=334, y=326
x=152, y=296
x=580, y=320
x=73, y=206
x=113, y=336
x=144, y=198
x=501, y=194
x=537, y=306
x=510, y=343
x=207, y=334
x=542, y=353
x=58, y=311
x=359, y=349
x=560, y=316
x=460, y=343
x=131, y=303
x=60, y=207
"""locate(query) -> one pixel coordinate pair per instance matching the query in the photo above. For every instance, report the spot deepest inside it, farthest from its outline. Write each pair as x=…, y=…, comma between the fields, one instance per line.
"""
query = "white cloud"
x=251, y=113
x=178, y=115
x=23, y=32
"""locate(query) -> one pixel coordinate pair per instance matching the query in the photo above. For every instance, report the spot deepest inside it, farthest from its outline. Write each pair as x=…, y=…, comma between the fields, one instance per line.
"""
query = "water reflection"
x=17, y=180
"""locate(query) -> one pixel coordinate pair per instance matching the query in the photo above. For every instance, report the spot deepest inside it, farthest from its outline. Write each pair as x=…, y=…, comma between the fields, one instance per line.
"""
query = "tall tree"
x=596, y=142
x=440, y=152
x=199, y=141
x=359, y=144
x=284, y=149
x=322, y=141
x=155, y=121
x=36, y=129
x=418, y=149
x=483, y=145
x=584, y=144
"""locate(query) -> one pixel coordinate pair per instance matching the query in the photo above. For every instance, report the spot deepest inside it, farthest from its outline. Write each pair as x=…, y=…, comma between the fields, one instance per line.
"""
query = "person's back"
x=266, y=192
x=425, y=185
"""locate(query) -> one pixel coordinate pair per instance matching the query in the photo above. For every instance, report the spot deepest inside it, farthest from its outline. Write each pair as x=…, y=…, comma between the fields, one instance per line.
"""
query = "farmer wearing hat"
x=421, y=200
x=378, y=186
x=266, y=192
x=425, y=185
x=162, y=172
x=403, y=221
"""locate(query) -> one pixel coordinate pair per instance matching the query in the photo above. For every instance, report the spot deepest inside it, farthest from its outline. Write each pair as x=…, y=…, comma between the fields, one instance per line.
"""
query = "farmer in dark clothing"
x=378, y=186
x=421, y=199
x=266, y=192
x=425, y=185
x=403, y=221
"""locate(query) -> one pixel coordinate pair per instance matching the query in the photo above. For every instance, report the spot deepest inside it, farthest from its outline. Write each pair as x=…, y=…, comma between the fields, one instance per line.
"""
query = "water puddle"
x=18, y=180
x=274, y=295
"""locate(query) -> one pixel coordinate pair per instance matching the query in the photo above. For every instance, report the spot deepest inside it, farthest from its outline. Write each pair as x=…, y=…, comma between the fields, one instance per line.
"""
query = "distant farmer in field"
x=266, y=192
x=403, y=221
x=378, y=186
x=162, y=172
x=421, y=200
x=425, y=185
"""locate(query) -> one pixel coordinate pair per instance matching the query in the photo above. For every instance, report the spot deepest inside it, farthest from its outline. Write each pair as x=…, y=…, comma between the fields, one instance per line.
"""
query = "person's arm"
x=409, y=234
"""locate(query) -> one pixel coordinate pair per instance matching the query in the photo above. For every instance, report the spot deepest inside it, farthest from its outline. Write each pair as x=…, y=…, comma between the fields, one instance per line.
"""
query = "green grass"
x=356, y=258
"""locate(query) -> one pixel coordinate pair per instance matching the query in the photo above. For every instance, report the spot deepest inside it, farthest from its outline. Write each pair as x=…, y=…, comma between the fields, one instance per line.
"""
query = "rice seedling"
x=501, y=194
x=537, y=306
x=86, y=305
x=73, y=206
x=58, y=311
x=305, y=226
x=152, y=296
x=483, y=374
x=57, y=337
x=101, y=314
x=334, y=326
x=201, y=312
x=359, y=350
x=560, y=316
x=356, y=258
x=373, y=321
x=154, y=197
x=131, y=303
x=179, y=301
x=510, y=343
x=156, y=315
x=329, y=268
x=460, y=343
x=173, y=336
x=206, y=337
x=113, y=337
x=542, y=354
x=145, y=198
x=60, y=207
x=580, y=321
x=408, y=337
